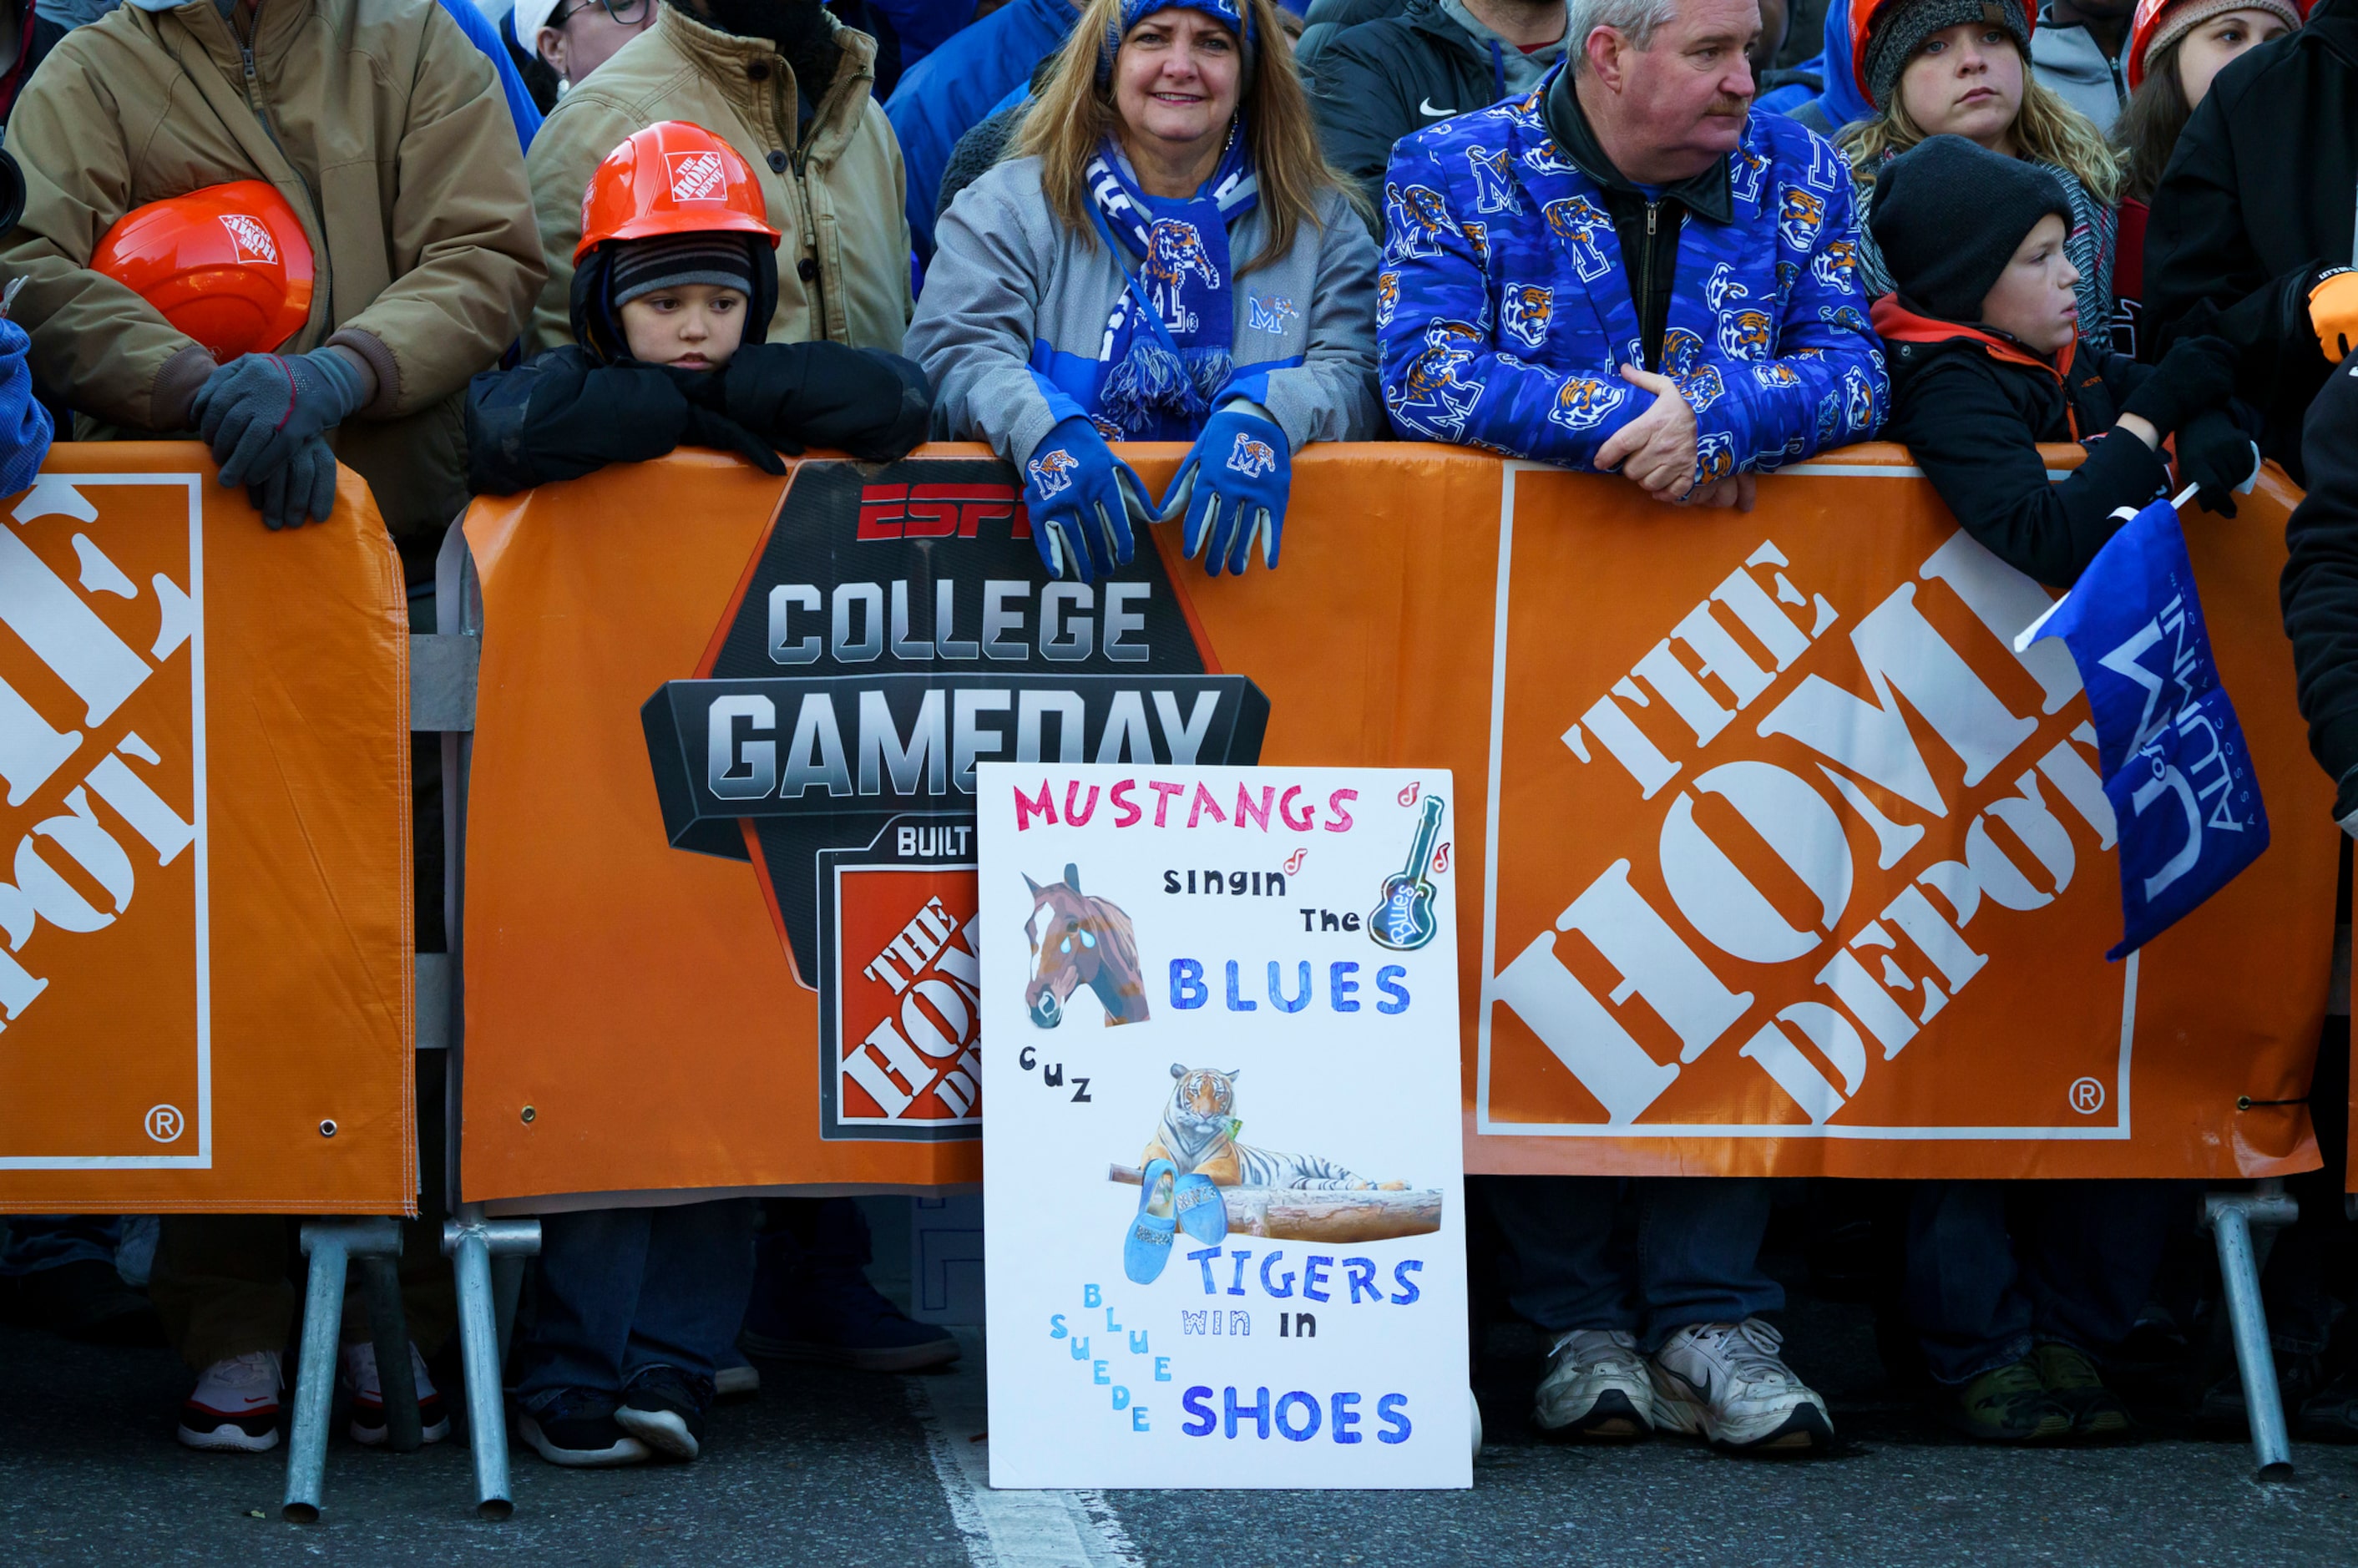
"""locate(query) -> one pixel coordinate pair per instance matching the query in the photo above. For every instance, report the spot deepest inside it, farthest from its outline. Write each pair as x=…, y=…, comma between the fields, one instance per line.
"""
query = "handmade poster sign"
x=1222, y=1149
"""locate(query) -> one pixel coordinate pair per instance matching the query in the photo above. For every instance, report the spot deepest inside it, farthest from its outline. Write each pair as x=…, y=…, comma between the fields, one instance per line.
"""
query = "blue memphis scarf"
x=1167, y=343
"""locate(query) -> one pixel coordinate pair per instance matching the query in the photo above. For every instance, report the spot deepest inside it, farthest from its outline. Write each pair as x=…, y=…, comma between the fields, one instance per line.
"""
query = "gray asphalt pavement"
x=831, y=1468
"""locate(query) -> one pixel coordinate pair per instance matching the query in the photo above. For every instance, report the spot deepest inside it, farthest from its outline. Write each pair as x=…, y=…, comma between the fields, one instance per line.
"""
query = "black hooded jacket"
x=2254, y=204
x=2320, y=590
x=574, y=409
x=1375, y=83
x=1972, y=408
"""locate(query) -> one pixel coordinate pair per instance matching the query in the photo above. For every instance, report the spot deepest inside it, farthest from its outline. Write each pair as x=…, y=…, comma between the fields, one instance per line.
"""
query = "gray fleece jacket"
x=1013, y=315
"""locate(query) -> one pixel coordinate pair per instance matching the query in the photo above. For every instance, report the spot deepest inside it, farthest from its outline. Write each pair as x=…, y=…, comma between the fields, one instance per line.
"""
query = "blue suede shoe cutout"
x=1147, y=1248
x=1203, y=1213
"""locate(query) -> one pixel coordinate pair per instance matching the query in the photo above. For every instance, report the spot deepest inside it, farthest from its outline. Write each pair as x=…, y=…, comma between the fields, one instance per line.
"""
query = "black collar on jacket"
x=1708, y=195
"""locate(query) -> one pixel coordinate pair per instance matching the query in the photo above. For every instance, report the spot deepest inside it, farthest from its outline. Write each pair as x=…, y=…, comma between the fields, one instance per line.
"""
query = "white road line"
x=1007, y=1530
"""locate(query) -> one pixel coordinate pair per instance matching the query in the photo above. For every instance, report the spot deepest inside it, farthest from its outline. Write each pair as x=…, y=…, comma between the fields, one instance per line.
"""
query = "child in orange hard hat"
x=673, y=291
x=638, y=1309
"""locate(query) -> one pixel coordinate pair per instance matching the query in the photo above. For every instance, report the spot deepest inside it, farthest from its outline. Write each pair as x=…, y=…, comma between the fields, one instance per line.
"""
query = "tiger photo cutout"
x=1197, y=1135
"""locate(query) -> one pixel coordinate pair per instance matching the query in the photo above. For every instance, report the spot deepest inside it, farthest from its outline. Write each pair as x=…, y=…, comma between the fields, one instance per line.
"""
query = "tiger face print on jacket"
x=1198, y=1130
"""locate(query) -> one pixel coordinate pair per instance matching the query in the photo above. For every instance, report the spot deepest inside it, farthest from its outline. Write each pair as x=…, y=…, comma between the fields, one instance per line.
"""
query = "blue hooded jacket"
x=1506, y=314
x=949, y=91
x=1841, y=100
x=24, y=429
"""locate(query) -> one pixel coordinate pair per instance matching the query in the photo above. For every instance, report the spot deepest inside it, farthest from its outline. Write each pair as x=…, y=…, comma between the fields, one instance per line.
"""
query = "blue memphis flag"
x=2175, y=765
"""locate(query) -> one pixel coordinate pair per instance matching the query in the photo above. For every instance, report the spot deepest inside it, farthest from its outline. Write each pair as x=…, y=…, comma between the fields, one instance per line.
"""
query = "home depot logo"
x=249, y=238
x=103, y=914
x=697, y=177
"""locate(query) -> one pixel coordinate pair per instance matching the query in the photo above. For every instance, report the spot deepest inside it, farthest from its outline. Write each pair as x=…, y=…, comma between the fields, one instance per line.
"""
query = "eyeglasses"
x=624, y=13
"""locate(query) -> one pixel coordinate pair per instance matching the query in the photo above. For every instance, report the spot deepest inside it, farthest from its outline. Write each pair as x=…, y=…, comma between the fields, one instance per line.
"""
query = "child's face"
x=694, y=326
x=2033, y=302
x=1966, y=80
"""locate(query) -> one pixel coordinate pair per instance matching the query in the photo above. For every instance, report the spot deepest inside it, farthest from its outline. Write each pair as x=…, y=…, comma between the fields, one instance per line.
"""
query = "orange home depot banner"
x=721, y=895
x=208, y=963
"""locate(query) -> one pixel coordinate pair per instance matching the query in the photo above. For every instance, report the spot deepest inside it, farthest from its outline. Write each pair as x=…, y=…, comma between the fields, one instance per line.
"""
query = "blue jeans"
x=1693, y=1255
x=1997, y=1267
x=38, y=1241
x=623, y=1290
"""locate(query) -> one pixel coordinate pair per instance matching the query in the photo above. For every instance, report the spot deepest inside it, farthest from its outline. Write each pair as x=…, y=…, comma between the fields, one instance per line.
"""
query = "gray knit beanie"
x=1900, y=30
x=667, y=261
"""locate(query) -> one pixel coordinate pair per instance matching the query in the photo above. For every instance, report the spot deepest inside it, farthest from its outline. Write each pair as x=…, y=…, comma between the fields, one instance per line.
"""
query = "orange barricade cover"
x=1782, y=861
x=208, y=966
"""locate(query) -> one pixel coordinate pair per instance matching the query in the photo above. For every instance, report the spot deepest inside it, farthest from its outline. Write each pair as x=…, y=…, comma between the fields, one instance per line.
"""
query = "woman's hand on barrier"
x=1232, y=488
x=1657, y=449
x=1082, y=500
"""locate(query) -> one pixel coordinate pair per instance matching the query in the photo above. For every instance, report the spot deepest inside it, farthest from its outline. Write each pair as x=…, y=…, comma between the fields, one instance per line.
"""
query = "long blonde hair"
x=1073, y=117
x=2046, y=130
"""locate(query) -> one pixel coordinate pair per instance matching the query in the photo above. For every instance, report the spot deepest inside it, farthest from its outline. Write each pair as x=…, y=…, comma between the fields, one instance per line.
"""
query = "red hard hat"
x=227, y=265
x=2147, y=18
x=671, y=179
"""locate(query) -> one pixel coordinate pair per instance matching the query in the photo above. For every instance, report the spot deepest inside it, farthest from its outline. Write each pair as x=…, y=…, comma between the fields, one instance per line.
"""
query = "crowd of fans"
x=467, y=252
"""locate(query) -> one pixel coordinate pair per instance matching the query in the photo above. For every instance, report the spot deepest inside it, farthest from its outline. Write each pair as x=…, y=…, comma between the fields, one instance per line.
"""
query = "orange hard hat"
x=671, y=179
x=227, y=265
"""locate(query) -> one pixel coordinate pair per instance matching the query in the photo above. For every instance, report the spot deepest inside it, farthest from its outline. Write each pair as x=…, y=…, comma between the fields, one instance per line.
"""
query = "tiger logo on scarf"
x=1175, y=251
x=1198, y=1133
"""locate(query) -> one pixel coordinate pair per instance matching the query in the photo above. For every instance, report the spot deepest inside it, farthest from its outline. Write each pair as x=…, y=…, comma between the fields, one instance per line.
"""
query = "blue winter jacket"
x=1842, y=101
x=947, y=94
x=1506, y=315
x=24, y=429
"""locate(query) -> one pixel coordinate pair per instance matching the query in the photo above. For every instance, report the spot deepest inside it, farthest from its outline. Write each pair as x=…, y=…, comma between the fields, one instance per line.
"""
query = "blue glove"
x=257, y=411
x=300, y=490
x=1081, y=499
x=1231, y=489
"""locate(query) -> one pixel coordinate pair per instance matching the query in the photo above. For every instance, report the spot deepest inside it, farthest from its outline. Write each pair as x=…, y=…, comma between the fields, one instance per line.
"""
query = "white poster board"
x=1250, y=974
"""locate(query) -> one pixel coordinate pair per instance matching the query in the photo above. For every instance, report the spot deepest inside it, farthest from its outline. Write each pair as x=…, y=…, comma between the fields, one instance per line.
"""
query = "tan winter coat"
x=843, y=265
x=384, y=128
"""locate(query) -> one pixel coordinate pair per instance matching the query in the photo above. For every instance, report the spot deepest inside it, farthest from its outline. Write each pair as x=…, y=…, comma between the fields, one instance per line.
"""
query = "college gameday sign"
x=1776, y=857
x=208, y=966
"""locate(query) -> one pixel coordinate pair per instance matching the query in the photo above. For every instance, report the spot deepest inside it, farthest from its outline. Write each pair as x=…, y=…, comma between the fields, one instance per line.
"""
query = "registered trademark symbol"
x=165, y=1123
x=2087, y=1096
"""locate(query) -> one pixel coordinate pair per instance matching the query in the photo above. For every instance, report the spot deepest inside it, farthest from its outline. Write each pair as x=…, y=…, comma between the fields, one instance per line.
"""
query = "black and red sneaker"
x=368, y=1398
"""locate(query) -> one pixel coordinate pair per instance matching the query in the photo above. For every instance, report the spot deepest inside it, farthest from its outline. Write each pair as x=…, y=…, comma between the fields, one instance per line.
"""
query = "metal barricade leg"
x=389, y=1328
x=2231, y=1216
x=329, y=1244
x=472, y=1242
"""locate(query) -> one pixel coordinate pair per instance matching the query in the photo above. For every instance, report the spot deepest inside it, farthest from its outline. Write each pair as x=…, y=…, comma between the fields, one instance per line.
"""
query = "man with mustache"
x=1624, y=270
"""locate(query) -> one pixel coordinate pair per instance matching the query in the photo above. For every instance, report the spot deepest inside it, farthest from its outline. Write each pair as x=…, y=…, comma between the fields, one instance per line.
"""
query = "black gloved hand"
x=2197, y=373
x=707, y=428
x=300, y=490
x=256, y=410
x=871, y=404
x=2215, y=453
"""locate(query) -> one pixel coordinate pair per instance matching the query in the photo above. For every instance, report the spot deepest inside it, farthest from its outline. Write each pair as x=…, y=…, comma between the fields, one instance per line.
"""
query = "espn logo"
x=249, y=238
x=697, y=177
x=937, y=511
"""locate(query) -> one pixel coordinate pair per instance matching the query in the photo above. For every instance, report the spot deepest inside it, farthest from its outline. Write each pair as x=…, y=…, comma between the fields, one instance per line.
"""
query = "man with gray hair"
x=1624, y=272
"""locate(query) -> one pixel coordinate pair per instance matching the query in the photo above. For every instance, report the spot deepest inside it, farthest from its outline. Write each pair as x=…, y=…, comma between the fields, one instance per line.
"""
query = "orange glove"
x=2333, y=312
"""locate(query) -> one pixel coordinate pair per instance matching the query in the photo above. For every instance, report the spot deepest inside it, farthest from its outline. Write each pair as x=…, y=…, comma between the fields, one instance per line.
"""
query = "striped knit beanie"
x=667, y=261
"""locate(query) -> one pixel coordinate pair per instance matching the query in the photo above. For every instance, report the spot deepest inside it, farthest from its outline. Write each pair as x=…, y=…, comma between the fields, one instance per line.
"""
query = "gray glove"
x=258, y=410
x=300, y=490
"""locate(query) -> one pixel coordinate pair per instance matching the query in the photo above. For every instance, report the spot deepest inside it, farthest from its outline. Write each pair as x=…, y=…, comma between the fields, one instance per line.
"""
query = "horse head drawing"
x=1078, y=940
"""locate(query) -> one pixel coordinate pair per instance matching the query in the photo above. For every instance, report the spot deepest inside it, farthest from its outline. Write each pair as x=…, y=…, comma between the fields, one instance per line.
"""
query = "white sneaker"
x=1595, y=1387
x=368, y=1397
x=735, y=1378
x=1725, y=1381
x=234, y=1409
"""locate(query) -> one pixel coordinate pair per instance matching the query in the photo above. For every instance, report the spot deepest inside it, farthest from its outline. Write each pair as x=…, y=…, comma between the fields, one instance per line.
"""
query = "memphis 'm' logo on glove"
x=697, y=177
x=1250, y=458
x=1053, y=472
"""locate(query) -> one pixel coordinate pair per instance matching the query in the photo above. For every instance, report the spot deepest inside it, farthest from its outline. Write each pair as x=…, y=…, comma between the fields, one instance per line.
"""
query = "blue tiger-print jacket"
x=1505, y=314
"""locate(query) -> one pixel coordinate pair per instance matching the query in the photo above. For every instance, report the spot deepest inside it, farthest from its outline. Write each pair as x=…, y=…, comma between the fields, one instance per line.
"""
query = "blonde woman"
x=1962, y=67
x=1167, y=257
